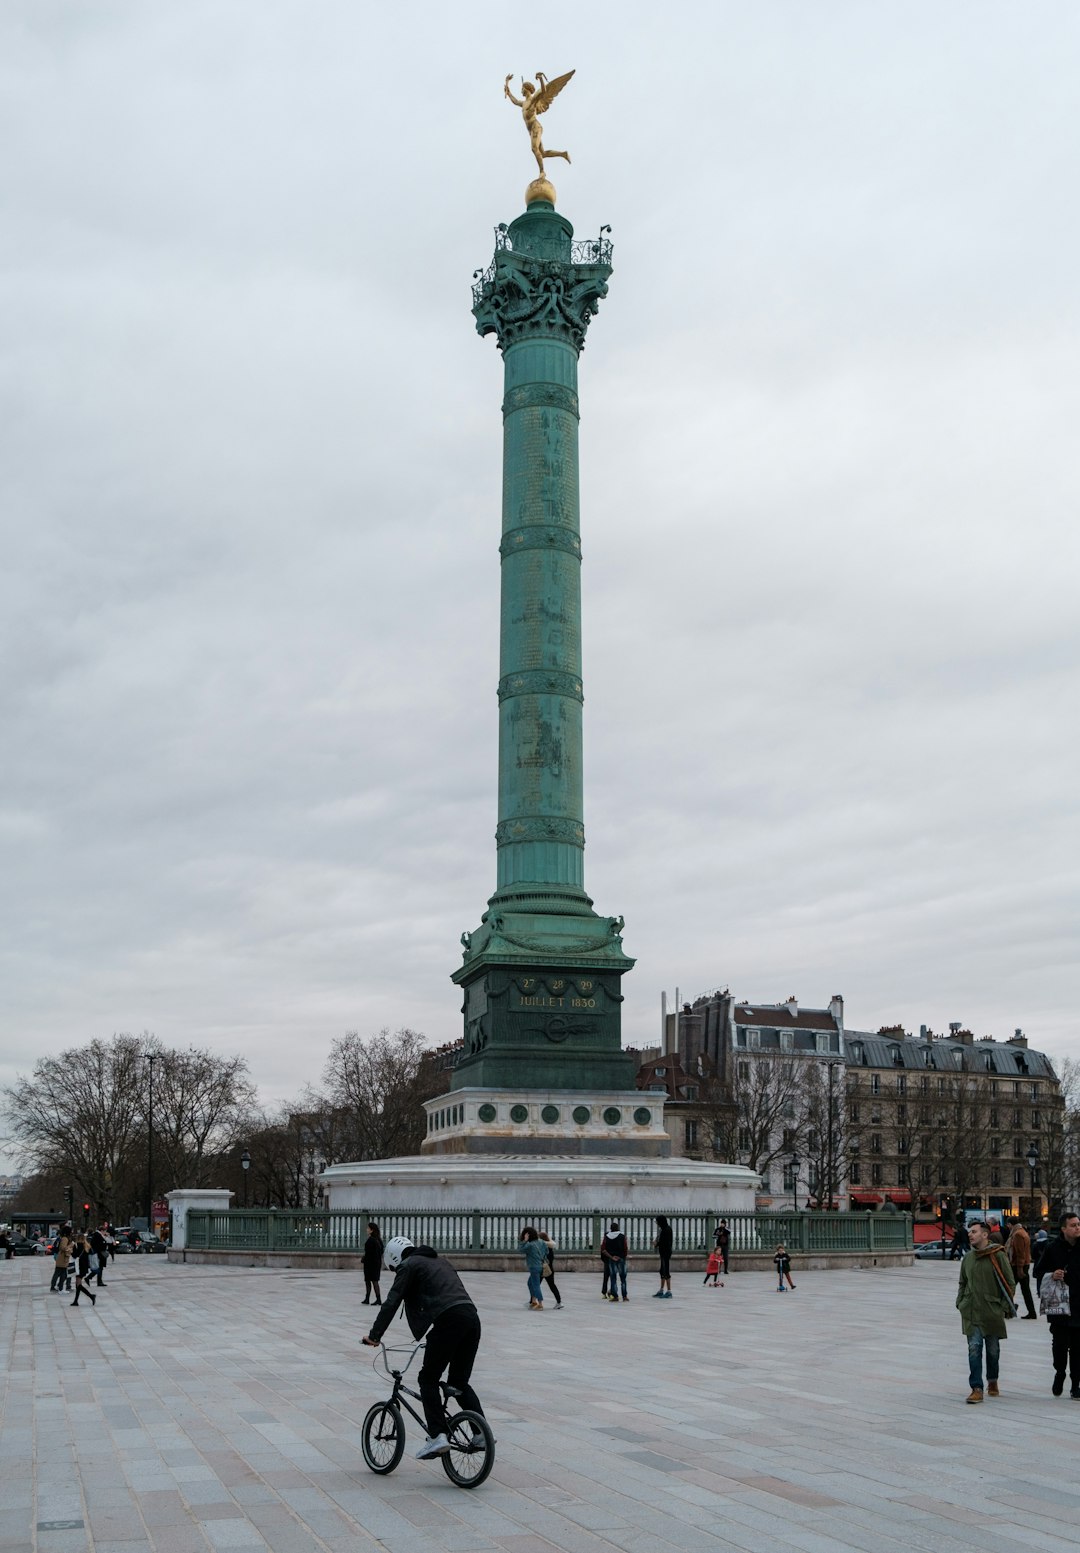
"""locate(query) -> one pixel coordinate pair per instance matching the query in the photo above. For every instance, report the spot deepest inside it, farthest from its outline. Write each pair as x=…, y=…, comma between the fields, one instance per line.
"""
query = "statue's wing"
x=545, y=98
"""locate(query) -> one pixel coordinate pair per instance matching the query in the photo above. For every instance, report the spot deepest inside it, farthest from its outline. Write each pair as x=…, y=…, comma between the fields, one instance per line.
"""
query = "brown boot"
x=992, y=1389
x=976, y=1394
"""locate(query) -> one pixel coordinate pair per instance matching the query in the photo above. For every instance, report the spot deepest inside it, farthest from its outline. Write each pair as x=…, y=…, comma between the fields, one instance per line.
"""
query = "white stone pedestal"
x=547, y=1121
x=614, y=1186
x=193, y=1197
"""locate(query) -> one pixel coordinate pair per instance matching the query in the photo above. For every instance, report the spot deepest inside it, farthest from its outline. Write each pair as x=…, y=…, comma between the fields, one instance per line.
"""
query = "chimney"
x=792, y=1006
x=836, y=1009
x=925, y=1033
x=1018, y=1038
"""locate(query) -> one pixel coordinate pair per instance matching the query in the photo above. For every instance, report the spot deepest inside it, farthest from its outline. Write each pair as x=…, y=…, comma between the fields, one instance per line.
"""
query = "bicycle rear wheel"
x=472, y=1450
x=382, y=1438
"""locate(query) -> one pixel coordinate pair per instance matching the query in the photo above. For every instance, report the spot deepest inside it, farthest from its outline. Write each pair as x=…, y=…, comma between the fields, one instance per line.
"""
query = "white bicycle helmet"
x=394, y=1251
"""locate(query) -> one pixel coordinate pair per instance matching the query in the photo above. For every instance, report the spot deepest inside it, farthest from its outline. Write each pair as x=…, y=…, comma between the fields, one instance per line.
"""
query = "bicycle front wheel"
x=382, y=1438
x=472, y=1450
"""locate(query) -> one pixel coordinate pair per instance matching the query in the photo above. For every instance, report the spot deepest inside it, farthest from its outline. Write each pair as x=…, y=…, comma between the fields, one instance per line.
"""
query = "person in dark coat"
x=1060, y=1263
x=437, y=1303
x=100, y=1248
x=722, y=1241
x=82, y=1270
x=662, y=1244
x=373, y=1255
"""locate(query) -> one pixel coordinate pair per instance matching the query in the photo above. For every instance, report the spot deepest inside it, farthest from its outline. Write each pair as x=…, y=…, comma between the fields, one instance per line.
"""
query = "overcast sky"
x=250, y=486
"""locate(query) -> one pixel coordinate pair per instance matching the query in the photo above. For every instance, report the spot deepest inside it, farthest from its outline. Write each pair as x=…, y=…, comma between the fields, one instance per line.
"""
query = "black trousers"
x=550, y=1281
x=451, y=1345
x=1065, y=1348
x=1023, y=1284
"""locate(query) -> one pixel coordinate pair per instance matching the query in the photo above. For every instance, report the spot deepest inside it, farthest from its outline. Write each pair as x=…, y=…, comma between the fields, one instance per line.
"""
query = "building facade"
x=953, y=1121
x=837, y=1118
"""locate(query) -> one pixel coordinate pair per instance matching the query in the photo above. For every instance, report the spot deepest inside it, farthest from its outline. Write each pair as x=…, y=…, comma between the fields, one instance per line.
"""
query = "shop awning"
x=866, y=1199
x=900, y=1195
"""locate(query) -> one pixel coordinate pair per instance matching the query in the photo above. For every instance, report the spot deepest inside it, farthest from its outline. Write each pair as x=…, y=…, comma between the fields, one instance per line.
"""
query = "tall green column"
x=541, y=975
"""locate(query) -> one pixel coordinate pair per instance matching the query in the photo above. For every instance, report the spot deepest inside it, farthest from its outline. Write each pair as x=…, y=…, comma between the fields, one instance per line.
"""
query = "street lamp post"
x=1033, y=1165
x=795, y=1163
x=245, y=1165
x=151, y=1058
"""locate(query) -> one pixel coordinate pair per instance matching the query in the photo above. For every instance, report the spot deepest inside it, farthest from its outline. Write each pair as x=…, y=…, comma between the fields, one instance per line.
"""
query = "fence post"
x=474, y=1231
x=870, y=1241
x=597, y=1231
x=804, y=1231
x=271, y=1229
x=710, y=1229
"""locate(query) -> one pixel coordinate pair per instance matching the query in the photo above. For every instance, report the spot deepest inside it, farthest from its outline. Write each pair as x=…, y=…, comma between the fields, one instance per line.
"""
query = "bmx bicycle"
x=382, y=1439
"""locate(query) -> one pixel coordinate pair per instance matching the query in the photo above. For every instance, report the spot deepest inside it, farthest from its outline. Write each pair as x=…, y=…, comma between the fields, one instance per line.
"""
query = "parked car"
x=930, y=1251
x=147, y=1242
x=22, y=1245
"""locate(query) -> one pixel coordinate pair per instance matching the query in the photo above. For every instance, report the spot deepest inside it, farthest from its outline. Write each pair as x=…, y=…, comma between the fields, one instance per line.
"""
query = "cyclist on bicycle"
x=436, y=1302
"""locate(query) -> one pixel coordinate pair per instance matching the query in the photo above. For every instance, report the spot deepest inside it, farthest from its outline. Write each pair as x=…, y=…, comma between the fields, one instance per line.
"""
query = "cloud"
x=250, y=504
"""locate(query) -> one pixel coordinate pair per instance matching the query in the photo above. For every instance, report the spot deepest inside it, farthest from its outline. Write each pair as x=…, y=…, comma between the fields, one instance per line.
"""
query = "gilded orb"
x=540, y=189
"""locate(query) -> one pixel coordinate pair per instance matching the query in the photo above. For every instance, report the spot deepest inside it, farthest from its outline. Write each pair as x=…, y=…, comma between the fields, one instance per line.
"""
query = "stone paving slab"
x=201, y=1408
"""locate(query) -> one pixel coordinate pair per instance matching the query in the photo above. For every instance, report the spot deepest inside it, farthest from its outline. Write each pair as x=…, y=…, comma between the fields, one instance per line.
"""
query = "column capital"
x=540, y=283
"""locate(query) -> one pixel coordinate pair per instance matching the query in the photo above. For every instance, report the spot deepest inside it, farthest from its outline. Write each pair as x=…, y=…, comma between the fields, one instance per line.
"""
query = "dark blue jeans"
x=615, y=1267
x=976, y=1342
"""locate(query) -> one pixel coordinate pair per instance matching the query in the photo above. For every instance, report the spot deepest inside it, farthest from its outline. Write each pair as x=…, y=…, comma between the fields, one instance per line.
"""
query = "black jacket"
x=1059, y=1253
x=428, y=1286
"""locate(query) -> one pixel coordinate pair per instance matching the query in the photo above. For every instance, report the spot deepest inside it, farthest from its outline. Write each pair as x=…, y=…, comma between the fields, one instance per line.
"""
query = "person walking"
x=548, y=1270
x=782, y=1263
x=373, y=1255
x=615, y=1249
x=82, y=1271
x=61, y=1260
x=535, y=1254
x=722, y=1241
x=714, y=1267
x=1018, y=1250
x=986, y=1290
x=99, y=1255
x=438, y=1304
x=662, y=1246
x=1058, y=1277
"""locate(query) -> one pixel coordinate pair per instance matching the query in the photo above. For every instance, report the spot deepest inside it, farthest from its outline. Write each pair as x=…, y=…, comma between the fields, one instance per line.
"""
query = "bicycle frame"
x=401, y=1391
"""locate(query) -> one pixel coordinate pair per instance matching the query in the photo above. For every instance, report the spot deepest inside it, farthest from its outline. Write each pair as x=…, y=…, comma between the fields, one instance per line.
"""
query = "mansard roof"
x=778, y=1016
x=1002, y=1059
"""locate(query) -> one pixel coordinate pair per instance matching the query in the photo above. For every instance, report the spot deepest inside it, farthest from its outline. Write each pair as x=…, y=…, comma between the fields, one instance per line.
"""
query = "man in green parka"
x=987, y=1282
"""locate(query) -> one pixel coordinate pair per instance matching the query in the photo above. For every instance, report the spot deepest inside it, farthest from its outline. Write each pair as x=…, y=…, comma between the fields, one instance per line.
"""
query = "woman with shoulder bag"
x=548, y=1269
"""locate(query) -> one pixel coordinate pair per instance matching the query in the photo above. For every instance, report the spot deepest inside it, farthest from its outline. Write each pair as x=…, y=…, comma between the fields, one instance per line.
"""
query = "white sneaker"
x=436, y=1447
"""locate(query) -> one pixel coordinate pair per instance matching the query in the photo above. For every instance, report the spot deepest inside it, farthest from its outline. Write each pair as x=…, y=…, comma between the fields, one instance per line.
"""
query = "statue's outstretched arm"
x=507, y=92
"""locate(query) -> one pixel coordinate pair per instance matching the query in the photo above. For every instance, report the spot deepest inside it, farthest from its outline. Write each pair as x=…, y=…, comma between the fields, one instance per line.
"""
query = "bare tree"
x=1060, y=1167
x=769, y=1109
x=826, y=1131
x=963, y=1141
x=380, y=1085
x=81, y=1115
x=199, y=1101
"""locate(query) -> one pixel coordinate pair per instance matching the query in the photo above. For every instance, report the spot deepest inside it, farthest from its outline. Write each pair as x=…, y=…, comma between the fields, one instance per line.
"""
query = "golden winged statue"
x=534, y=101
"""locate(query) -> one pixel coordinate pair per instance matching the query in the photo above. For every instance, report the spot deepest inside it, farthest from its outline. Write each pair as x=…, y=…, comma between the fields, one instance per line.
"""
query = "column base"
x=544, y=1123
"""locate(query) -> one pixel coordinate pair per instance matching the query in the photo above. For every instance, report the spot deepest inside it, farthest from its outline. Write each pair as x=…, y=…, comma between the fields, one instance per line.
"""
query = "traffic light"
x=86, y=1210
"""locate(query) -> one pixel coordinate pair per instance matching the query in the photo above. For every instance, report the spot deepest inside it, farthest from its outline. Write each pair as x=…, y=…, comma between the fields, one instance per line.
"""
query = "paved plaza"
x=203, y=1408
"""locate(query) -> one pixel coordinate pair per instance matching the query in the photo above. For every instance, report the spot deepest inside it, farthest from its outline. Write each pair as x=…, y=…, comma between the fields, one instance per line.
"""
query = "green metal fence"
x=482, y=1230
